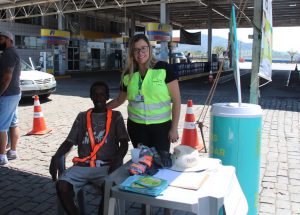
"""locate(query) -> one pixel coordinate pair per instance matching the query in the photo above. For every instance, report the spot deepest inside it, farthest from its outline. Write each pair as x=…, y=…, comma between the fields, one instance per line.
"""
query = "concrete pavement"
x=26, y=187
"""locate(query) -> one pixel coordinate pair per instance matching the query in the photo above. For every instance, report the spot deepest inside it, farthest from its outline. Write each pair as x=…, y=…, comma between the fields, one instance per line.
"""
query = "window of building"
x=99, y=26
x=19, y=42
x=90, y=24
x=94, y=24
x=40, y=44
x=74, y=43
x=29, y=42
x=115, y=27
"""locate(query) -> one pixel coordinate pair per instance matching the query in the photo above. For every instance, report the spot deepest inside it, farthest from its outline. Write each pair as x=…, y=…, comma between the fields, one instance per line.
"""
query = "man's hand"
x=61, y=152
x=6, y=79
x=53, y=168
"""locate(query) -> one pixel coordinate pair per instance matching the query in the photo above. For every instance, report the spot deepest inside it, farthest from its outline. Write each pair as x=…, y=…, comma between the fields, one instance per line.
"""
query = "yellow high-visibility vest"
x=155, y=105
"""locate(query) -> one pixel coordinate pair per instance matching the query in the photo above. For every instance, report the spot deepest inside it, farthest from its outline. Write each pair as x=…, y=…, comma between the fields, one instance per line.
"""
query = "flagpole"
x=235, y=52
x=256, y=49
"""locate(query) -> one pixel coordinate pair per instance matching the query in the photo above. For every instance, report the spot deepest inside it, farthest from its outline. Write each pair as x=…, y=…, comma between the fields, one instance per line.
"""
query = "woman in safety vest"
x=152, y=90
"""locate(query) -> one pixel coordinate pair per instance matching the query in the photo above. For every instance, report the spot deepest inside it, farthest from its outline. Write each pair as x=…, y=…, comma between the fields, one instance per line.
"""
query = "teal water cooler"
x=235, y=138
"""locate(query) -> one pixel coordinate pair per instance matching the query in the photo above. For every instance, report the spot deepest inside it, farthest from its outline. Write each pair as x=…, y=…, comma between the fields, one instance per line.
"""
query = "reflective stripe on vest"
x=156, y=107
x=95, y=147
x=142, y=105
x=155, y=118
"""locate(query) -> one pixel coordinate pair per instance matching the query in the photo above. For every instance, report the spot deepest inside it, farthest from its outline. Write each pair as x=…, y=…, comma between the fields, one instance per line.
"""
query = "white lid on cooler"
x=246, y=110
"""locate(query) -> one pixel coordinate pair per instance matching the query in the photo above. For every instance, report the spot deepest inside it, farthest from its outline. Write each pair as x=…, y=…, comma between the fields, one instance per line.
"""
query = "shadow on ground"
x=22, y=192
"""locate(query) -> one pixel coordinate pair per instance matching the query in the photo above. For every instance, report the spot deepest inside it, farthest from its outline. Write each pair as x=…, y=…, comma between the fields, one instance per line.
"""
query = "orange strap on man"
x=95, y=147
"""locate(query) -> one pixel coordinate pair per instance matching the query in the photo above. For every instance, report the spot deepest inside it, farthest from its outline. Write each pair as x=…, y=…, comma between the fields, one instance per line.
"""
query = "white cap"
x=184, y=158
x=7, y=34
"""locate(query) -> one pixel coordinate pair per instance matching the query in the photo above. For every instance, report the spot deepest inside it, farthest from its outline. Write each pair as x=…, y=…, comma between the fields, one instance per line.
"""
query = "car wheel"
x=45, y=96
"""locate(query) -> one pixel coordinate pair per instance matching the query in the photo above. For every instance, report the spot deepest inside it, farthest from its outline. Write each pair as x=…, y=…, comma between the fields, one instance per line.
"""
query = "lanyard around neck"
x=140, y=83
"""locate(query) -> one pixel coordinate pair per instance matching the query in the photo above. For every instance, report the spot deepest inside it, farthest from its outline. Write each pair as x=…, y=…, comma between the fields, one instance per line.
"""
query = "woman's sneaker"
x=11, y=155
x=3, y=161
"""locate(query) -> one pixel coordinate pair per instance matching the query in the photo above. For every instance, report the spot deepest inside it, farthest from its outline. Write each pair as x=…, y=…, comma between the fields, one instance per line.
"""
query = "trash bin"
x=235, y=138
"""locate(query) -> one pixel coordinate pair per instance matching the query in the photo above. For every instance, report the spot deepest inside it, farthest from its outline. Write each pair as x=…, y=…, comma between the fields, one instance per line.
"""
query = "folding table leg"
x=106, y=196
x=147, y=209
x=111, y=206
x=121, y=207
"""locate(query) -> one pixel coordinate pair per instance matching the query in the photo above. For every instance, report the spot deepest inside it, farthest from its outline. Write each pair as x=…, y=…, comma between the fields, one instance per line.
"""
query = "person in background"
x=10, y=95
x=153, y=95
x=102, y=141
x=119, y=59
x=188, y=58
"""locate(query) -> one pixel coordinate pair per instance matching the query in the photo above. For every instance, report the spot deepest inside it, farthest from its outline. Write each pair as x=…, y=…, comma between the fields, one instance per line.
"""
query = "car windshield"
x=25, y=66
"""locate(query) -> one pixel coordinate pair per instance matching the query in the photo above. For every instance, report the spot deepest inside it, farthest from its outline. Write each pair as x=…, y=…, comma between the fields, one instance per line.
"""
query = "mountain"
x=244, y=48
x=216, y=41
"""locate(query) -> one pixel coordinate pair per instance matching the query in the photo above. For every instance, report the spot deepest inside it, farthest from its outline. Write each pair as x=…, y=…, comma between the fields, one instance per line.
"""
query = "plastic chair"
x=81, y=194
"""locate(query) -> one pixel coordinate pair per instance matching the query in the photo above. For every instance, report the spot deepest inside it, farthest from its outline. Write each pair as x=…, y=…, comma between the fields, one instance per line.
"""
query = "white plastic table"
x=220, y=189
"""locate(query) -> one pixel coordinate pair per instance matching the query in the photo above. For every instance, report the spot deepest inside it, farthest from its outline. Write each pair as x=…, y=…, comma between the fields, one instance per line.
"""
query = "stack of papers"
x=186, y=180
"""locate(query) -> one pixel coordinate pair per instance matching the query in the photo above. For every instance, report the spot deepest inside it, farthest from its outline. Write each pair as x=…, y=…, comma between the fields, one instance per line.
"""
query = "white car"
x=34, y=82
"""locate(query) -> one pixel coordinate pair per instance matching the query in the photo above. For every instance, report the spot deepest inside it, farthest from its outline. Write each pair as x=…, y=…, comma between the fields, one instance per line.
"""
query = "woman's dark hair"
x=99, y=83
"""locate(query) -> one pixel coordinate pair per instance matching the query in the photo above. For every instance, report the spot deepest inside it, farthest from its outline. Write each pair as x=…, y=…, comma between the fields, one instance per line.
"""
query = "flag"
x=265, y=67
x=190, y=38
x=235, y=52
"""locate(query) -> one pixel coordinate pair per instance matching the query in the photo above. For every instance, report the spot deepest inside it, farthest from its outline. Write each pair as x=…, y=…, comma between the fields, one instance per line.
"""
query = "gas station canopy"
x=189, y=14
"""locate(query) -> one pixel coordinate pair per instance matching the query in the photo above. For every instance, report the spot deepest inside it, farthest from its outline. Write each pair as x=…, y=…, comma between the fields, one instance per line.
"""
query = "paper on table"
x=190, y=180
x=167, y=174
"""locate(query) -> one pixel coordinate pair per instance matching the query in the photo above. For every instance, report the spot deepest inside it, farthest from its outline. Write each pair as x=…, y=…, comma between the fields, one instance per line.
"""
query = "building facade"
x=95, y=42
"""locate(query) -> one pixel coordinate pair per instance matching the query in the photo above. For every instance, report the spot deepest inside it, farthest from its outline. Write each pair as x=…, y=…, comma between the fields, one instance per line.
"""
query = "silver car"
x=34, y=82
x=178, y=57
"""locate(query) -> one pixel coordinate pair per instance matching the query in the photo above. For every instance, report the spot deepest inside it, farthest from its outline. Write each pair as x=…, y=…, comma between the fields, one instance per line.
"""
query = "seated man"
x=102, y=141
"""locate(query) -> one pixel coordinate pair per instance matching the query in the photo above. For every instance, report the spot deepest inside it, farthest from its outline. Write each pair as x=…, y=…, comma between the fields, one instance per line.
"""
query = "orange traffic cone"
x=189, y=135
x=39, y=125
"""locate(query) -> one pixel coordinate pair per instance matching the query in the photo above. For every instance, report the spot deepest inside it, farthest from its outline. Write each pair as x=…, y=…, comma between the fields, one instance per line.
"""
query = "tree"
x=292, y=53
x=218, y=50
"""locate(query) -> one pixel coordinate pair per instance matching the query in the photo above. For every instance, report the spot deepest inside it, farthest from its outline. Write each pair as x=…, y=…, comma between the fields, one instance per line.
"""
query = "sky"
x=284, y=38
